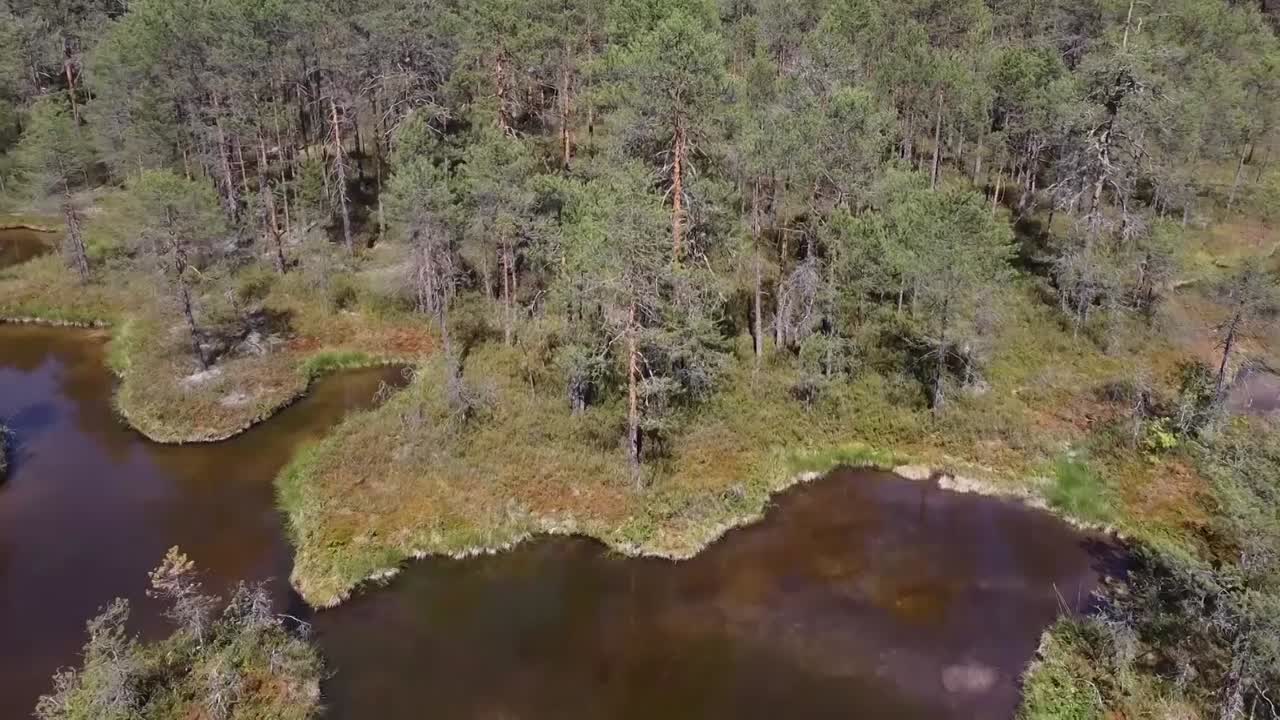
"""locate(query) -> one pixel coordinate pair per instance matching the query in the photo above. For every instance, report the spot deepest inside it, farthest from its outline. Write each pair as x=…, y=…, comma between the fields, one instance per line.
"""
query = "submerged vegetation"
x=655, y=260
x=238, y=663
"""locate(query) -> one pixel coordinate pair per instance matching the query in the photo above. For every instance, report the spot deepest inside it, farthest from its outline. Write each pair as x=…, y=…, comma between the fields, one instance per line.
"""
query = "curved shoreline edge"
x=131, y=420
x=29, y=226
x=944, y=479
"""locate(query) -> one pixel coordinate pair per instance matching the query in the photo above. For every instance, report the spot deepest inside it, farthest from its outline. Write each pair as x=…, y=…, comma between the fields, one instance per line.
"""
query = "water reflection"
x=91, y=506
x=20, y=245
x=860, y=595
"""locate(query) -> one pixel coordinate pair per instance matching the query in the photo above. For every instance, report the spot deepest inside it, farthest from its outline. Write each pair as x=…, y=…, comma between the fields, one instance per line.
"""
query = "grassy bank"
x=1186, y=636
x=274, y=336
x=410, y=478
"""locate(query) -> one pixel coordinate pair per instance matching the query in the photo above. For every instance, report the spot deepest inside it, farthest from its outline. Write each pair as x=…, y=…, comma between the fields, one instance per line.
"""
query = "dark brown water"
x=1256, y=391
x=91, y=506
x=17, y=246
x=861, y=595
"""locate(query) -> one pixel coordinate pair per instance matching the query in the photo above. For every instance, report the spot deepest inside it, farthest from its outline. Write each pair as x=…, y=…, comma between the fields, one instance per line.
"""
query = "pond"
x=1256, y=391
x=861, y=594
x=20, y=245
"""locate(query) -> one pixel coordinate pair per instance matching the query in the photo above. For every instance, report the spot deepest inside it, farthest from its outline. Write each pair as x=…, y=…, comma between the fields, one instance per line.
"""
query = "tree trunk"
x=340, y=171
x=1235, y=184
x=937, y=145
x=977, y=166
x=1233, y=691
x=677, y=193
x=778, y=330
x=939, y=377
x=500, y=92
x=566, y=140
x=75, y=238
x=184, y=292
x=288, y=164
x=269, y=207
x=1227, y=347
x=442, y=318
x=230, y=202
x=759, y=280
x=507, y=275
x=69, y=70
x=633, y=395
x=244, y=173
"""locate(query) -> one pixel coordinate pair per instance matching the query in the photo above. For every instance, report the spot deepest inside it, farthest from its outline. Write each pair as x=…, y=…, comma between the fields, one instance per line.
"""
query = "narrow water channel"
x=90, y=506
x=860, y=595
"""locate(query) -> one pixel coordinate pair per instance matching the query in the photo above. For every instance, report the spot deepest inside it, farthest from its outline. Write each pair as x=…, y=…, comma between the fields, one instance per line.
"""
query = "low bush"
x=242, y=663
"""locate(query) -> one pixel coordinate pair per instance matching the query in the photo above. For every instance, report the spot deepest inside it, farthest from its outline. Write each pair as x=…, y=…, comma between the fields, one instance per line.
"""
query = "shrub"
x=238, y=664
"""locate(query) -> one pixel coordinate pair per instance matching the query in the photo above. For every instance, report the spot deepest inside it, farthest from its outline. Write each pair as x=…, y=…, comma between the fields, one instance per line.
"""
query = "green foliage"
x=53, y=154
x=1078, y=491
x=774, y=225
x=1061, y=684
x=239, y=664
x=1159, y=437
x=342, y=291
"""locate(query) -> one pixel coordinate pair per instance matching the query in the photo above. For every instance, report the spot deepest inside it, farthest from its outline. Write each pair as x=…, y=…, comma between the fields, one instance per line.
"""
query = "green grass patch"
x=855, y=455
x=331, y=361
x=1078, y=491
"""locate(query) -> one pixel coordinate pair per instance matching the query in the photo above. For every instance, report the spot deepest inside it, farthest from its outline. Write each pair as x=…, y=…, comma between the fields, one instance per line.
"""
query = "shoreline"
x=131, y=420
x=942, y=478
x=29, y=226
x=941, y=474
x=290, y=401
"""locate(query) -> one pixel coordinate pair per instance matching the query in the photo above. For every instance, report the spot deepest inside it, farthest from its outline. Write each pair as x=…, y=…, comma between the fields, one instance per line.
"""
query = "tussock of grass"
x=44, y=289
x=1078, y=491
x=330, y=361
